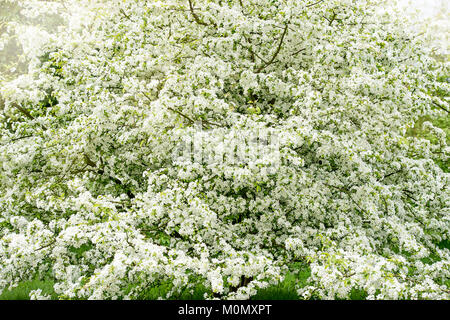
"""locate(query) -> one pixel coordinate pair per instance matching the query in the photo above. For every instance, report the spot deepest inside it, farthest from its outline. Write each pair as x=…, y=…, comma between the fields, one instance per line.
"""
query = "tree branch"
x=313, y=4
x=298, y=51
x=242, y=8
x=196, y=18
x=330, y=21
x=191, y=121
x=280, y=44
x=45, y=246
x=125, y=15
x=390, y=174
x=440, y=107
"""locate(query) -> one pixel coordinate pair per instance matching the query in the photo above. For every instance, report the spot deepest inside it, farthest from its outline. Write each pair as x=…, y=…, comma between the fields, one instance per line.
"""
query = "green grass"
x=285, y=290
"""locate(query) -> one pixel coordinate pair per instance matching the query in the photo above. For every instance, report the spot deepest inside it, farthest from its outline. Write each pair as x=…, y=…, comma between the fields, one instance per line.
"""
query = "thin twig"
x=440, y=107
x=126, y=16
x=298, y=51
x=23, y=110
x=390, y=174
x=242, y=8
x=181, y=114
x=45, y=246
x=19, y=138
x=330, y=21
x=313, y=4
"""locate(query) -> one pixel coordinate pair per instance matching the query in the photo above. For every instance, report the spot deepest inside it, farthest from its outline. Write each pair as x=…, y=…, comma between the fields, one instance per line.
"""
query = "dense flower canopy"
x=224, y=144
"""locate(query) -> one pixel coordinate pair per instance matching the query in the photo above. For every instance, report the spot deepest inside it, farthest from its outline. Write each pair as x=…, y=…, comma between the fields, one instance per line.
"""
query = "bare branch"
x=298, y=51
x=409, y=195
x=390, y=174
x=18, y=138
x=191, y=121
x=330, y=21
x=253, y=54
x=242, y=8
x=181, y=114
x=22, y=110
x=313, y=4
x=196, y=18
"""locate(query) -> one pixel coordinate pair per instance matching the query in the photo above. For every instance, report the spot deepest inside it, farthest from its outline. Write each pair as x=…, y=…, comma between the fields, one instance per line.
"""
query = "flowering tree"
x=223, y=143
